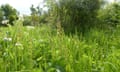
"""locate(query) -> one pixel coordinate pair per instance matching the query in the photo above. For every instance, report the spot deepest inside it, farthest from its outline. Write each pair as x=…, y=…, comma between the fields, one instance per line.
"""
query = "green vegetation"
x=7, y=12
x=28, y=49
x=73, y=36
x=110, y=16
x=77, y=15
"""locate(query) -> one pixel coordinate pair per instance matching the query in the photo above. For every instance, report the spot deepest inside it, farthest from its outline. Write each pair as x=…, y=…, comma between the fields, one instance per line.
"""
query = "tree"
x=9, y=13
x=110, y=16
x=27, y=20
x=37, y=16
x=74, y=14
x=35, y=13
x=1, y=15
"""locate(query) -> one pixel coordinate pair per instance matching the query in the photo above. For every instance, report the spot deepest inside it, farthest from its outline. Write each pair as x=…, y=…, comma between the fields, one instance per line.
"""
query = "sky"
x=23, y=6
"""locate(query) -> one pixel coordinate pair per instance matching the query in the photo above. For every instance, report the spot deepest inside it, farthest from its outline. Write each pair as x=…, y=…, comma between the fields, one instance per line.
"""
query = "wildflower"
x=7, y=39
x=5, y=54
x=18, y=44
x=58, y=70
x=30, y=27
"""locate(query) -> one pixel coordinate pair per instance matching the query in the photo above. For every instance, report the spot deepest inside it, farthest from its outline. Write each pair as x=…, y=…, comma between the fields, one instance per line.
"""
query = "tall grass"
x=40, y=49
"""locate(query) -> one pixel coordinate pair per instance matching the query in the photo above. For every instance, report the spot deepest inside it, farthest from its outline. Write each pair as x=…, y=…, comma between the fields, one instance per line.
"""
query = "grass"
x=40, y=49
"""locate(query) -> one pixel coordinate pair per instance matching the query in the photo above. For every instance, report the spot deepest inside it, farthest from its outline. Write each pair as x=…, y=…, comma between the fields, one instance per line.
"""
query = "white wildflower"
x=7, y=39
x=58, y=70
x=30, y=27
x=18, y=44
x=4, y=54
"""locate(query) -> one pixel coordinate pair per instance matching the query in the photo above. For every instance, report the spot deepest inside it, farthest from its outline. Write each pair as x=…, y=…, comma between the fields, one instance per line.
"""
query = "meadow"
x=42, y=49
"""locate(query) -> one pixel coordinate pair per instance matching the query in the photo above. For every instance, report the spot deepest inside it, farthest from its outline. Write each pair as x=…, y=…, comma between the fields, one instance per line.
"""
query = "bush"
x=26, y=21
x=75, y=15
x=110, y=16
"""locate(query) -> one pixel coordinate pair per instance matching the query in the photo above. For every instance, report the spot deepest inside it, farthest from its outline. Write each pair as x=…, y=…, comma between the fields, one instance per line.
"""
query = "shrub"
x=75, y=15
x=110, y=16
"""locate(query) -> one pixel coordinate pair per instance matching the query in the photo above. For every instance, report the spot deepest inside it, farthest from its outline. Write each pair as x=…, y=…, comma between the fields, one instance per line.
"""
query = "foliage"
x=1, y=15
x=110, y=15
x=27, y=20
x=37, y=49
x=9, y=13
x=36, y=18
x=35, y=15
x=47, y=49
x=74, y=14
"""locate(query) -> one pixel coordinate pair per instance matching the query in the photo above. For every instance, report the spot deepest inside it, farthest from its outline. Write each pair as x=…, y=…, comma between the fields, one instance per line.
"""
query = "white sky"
x=23, y=6
x=111, y=0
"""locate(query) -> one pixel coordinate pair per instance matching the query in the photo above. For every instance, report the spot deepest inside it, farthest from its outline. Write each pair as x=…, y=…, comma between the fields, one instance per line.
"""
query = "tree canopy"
x=110, y=16
x=7, y=12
